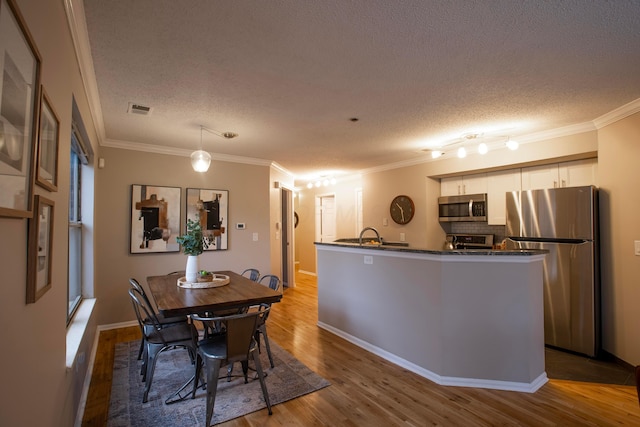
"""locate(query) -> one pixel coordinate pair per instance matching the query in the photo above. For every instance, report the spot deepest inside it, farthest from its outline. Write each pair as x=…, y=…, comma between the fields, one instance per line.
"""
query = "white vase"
x=192, y=268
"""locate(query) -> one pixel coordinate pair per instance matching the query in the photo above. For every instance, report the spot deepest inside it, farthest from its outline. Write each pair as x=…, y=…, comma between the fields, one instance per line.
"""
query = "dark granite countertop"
x=395, y=248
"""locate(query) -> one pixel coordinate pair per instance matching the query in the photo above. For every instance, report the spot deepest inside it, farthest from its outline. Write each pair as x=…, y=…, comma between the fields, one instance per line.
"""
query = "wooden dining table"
x=173, y=300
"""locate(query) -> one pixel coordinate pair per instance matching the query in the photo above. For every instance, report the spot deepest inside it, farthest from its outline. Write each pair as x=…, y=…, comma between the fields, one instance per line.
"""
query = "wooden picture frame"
x=155, y=219
x=48, y=140
x=19, y=95
x=211, y=208
x=40, y=249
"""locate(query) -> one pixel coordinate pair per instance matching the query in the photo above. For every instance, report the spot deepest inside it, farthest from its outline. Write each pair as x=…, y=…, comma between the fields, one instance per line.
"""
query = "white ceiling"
x=287, y=76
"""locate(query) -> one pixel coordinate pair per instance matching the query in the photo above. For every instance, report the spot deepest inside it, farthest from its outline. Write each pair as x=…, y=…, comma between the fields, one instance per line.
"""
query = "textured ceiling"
x=288, y=75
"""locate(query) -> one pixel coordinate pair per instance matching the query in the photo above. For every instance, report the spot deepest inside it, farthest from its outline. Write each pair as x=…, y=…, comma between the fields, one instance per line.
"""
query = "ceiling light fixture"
x=200, y=159
x=472, y=141
x=322, y=181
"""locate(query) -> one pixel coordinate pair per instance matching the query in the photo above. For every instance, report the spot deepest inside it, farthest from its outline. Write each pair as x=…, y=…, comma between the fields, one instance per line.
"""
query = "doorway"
x=325, y=213
x=288, y=270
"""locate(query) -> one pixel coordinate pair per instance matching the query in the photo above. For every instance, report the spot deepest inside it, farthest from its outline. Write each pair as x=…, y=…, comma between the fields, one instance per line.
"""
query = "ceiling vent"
x=141, y=110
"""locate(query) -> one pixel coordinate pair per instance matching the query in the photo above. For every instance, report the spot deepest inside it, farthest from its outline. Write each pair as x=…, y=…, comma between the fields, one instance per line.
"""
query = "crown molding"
x=617, y=114
x=556, y=133
x=279, y=167
x=172, y=151
x=74, y=9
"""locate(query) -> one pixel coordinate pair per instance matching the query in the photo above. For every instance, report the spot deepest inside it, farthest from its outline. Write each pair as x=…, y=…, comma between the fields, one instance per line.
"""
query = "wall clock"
x=402, y=209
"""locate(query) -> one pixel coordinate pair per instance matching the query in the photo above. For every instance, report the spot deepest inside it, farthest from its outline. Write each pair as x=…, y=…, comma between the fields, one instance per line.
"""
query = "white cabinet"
x=468, y=184
x=578, y=173
x=537, y=177
x=565, y=174
x=498, y=185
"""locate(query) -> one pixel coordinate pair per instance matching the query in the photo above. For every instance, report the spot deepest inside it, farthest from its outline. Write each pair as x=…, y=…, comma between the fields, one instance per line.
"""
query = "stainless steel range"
x=471, y=241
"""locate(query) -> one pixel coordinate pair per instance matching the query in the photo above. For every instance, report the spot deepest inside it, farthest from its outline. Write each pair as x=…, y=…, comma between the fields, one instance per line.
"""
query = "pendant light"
x=200, y=159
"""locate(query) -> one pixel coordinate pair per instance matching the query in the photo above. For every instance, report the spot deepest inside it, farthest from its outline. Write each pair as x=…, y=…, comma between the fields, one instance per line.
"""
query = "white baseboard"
x=309, y=273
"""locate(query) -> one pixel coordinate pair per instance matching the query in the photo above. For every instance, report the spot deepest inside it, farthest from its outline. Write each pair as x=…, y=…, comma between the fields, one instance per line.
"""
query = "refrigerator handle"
x=471, y=208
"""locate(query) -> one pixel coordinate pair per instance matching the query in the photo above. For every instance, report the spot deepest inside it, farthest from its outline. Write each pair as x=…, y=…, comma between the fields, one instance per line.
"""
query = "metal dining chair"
x=148, y=322
x=273, y=282
x=236, y=344
x=159, y=337
x=252, y=274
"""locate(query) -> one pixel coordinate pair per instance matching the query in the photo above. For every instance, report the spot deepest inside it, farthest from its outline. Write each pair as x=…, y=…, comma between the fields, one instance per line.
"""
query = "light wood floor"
x=369, y=391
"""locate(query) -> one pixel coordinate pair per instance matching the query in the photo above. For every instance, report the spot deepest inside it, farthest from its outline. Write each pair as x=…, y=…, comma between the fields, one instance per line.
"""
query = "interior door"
x=325, y=218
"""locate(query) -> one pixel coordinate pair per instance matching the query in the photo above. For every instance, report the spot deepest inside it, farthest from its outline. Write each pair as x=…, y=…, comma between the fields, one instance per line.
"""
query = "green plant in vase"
x=193, y=244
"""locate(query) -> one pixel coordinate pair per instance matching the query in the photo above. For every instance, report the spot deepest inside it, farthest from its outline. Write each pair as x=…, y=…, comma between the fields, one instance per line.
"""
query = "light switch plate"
x=636, y=246
x=368, y=259
x=402, y=237
x=255, y=237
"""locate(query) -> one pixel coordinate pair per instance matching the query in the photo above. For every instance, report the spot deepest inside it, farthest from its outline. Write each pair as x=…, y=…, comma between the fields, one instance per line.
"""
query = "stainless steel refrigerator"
x=563, y=221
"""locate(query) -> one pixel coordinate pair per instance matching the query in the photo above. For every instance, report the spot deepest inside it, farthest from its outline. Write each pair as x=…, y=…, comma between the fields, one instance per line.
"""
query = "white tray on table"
x=217, y=281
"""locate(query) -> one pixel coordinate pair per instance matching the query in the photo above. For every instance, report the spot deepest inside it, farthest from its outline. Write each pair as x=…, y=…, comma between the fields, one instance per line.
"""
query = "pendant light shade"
x=200, y=161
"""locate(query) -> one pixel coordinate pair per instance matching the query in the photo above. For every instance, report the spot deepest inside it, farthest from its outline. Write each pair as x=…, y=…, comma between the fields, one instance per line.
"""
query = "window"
x=74, y=291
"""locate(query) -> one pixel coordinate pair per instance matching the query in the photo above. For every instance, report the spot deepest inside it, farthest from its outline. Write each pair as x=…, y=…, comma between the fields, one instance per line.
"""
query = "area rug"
x=287, y=380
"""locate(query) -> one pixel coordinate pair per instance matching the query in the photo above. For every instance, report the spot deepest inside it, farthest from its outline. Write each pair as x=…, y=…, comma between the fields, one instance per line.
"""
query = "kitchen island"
x=462, y=317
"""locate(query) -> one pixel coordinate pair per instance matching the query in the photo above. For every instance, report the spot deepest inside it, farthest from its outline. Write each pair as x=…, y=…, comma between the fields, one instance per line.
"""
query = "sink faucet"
x=372, y=229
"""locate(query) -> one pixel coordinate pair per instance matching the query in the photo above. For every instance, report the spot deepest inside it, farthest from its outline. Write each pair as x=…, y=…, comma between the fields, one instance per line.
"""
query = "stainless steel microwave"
x=468, y=207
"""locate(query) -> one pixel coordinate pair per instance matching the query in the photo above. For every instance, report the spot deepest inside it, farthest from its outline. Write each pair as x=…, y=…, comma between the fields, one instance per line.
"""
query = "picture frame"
x=211, y=208
x=155, y=219
x=40, y=249
x=48, y=140
x=20, y=64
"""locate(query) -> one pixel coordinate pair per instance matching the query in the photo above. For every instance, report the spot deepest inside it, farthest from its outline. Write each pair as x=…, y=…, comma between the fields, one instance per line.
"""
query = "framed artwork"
x=19, y=86
x=40, y=249
x=48, y=135
x=211, y=208
x=155, y=219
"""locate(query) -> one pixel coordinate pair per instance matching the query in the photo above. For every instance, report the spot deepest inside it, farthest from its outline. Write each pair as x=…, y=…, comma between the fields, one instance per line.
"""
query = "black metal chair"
x=252, y=274
x=159, y=337
x=161, y=319
x=235, y=344
x=273, y=282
